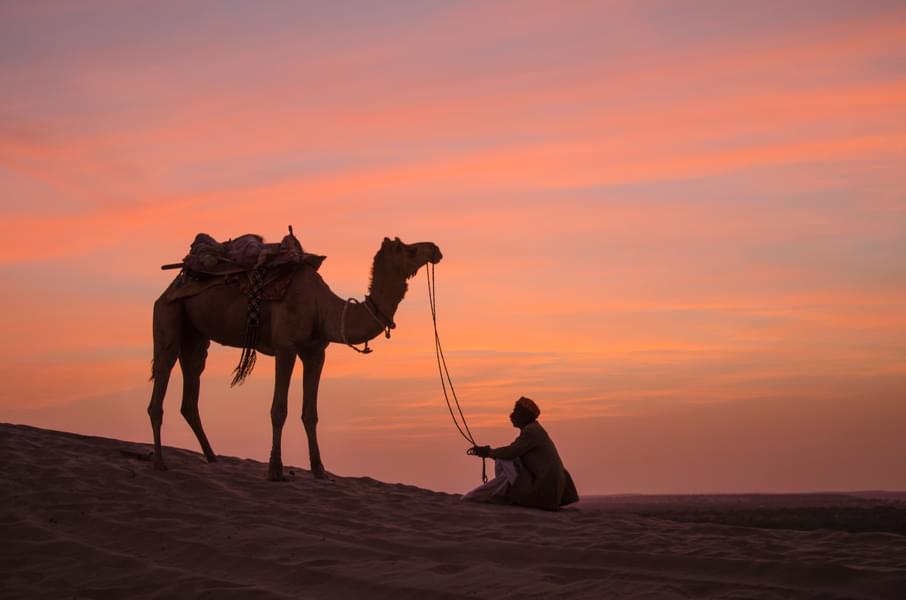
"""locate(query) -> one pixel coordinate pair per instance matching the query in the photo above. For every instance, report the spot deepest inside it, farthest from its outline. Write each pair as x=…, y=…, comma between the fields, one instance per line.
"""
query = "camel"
x=308, y=318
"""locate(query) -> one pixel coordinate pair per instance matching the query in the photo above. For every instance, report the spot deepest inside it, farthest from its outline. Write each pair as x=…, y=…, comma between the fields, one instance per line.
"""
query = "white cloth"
x=495, y=490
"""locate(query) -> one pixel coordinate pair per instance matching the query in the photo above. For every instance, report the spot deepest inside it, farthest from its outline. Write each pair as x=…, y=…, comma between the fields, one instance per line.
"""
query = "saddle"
x=263, y=272
x=210, y=263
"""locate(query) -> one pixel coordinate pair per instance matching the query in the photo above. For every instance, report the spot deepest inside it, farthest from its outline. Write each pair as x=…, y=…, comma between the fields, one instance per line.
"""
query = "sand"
x=85, y=517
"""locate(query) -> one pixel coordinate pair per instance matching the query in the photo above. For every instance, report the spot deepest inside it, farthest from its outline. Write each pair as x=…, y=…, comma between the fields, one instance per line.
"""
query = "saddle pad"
x=275, y=285
x=185, y=287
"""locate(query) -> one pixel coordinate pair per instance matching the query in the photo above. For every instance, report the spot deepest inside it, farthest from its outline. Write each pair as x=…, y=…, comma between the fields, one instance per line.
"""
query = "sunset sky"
x=679, y=226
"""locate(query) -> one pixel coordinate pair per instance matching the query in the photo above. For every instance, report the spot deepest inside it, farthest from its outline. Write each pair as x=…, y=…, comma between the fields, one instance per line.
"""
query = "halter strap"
x=382, y=320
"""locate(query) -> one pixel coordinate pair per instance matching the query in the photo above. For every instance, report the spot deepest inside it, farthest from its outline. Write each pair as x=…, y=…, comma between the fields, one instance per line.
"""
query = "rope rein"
x=445, y=379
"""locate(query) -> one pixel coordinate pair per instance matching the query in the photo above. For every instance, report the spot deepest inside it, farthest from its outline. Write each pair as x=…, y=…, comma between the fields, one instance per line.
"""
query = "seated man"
x=529, y=471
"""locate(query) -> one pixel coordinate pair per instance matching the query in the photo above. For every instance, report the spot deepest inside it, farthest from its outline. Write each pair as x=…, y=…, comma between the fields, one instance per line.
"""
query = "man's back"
x=544, y=482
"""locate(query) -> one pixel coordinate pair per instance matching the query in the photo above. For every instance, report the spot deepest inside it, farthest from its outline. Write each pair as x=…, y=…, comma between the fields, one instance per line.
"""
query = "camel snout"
x=436, y=256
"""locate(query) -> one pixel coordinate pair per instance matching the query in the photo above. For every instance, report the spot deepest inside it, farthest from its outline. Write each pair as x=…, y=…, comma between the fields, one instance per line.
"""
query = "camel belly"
x=220, y=314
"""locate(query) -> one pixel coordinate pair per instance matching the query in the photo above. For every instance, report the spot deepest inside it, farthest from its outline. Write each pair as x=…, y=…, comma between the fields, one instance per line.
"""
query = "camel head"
x=406, y=259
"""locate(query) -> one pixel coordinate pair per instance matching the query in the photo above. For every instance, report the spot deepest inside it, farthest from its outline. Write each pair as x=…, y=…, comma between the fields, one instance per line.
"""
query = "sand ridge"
x=84, y=517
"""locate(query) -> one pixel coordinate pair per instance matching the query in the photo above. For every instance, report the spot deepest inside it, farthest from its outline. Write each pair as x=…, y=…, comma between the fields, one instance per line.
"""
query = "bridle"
x=385, y=323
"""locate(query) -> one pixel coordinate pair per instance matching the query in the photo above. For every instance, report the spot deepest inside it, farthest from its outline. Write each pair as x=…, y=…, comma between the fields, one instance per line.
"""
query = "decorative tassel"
x=249, y=355
x=245, y=366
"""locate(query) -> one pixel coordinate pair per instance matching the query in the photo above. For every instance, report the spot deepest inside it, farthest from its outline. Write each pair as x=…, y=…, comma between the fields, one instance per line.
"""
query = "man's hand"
x=482, y=451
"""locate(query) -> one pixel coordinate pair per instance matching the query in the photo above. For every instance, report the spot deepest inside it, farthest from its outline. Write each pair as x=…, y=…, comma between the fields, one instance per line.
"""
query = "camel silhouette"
x=308, y=318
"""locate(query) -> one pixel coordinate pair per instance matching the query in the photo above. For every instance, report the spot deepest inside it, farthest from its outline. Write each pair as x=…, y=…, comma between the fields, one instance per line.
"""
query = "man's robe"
x=543, y=482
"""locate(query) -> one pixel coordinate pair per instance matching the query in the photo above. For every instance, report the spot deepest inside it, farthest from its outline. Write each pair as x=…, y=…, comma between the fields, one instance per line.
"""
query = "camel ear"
x=386, y=240
x=397, y=240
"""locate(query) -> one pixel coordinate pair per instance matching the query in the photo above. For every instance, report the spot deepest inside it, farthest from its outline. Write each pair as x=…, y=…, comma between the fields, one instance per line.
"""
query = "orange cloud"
x=639, y=227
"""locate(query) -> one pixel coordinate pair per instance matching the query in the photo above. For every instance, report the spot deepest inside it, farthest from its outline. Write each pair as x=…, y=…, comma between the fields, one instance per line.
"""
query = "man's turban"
x=529, y=405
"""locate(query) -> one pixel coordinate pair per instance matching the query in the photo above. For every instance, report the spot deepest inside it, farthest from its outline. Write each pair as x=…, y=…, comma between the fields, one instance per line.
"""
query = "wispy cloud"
x=644, y=208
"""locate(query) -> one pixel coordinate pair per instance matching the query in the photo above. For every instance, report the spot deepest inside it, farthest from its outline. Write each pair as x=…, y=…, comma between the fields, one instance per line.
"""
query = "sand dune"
x=85, y=517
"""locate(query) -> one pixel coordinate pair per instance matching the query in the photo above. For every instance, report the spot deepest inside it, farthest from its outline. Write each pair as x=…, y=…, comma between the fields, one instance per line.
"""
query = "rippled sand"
x=86, y=517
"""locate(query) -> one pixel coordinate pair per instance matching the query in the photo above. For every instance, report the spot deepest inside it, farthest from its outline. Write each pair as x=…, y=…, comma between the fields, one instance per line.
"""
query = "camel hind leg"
x=193, y=353
x=167, y=327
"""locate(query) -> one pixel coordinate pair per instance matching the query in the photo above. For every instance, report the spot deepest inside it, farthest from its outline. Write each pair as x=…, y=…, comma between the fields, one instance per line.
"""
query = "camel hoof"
x=320, y=473
x=160, y=466
x=212, y=458
x=275, y=472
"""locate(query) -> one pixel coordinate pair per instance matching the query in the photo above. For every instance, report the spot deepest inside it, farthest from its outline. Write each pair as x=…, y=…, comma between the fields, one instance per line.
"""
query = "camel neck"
x=357, y=322
x=386, y=291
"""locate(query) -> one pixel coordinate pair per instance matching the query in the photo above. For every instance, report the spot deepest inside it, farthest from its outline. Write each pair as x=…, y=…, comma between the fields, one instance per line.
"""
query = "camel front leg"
x=312, y=363
x=284, y=362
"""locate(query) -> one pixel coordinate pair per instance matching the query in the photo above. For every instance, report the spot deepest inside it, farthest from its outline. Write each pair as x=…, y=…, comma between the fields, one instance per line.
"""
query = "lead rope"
x=464, y=431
